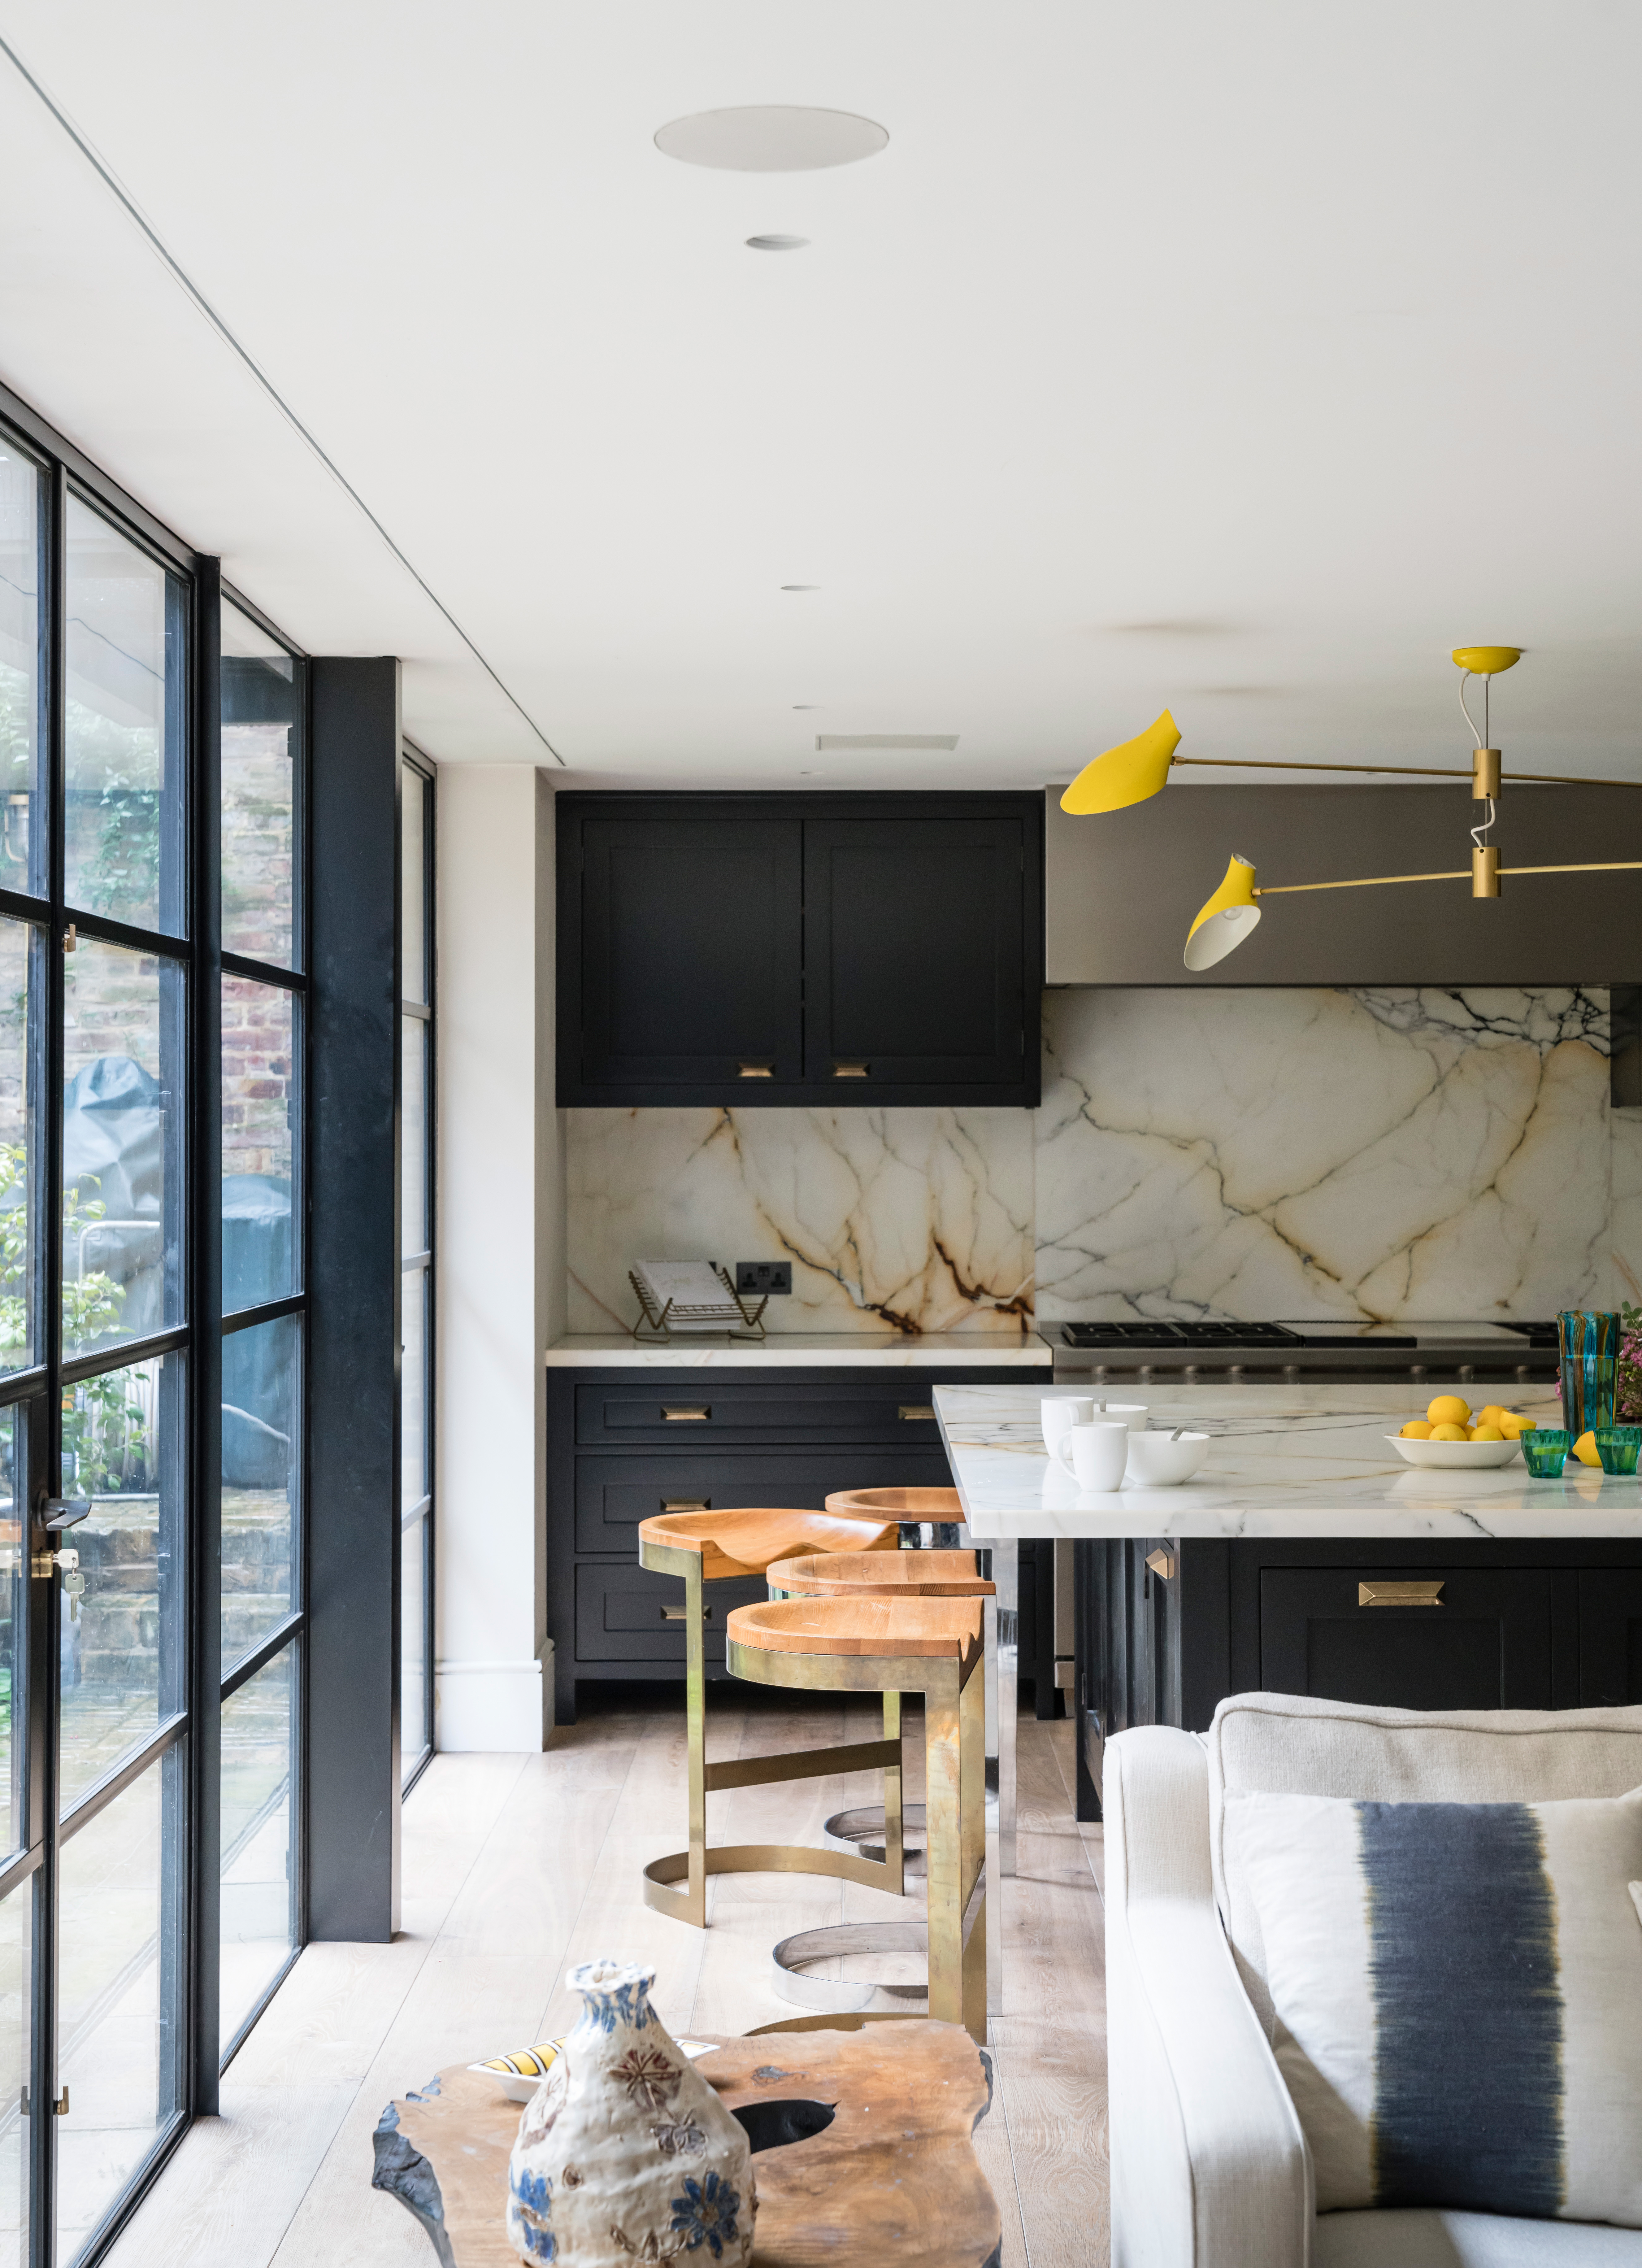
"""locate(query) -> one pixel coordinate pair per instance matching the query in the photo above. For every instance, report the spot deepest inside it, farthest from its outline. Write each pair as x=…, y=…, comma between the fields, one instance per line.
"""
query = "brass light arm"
x=1459, y=874
x=1409, y=771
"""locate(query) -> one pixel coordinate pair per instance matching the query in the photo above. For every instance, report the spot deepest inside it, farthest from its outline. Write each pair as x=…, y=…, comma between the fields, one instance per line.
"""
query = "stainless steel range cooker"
x=1509, y=1353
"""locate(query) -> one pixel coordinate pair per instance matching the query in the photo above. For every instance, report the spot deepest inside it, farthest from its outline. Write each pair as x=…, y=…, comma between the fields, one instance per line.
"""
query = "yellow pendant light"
x=1127, y=774
x=1230, y=916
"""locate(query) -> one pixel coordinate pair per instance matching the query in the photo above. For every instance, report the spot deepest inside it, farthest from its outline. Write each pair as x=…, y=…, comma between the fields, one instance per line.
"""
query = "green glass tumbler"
x=1545, y=1449
x=1617, y=1446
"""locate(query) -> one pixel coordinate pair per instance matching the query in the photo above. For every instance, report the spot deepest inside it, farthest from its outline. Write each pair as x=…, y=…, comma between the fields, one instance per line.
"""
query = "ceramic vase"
x=624, y=2152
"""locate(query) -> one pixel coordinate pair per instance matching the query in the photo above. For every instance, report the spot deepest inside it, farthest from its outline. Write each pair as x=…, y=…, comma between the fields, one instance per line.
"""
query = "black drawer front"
x=625, y=1614
x=1610, y=1638
x=613, y=1494
x=1485, y=1646
x=609, y=1416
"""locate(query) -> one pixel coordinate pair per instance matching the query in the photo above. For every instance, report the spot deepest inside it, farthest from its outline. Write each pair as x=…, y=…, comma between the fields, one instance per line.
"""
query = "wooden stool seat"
x=859, y=1622
x=744, y=1541
x=910, y=1503
x=897, y=1575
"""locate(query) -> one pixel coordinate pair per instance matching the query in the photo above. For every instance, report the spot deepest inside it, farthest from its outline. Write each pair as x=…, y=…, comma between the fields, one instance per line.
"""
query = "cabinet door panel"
x=1486, y=1644
x=626, y=1614
x=915, y=951
x=691, y=951
x=631, y=1416
x=1610, y=1638
x=613, y=1494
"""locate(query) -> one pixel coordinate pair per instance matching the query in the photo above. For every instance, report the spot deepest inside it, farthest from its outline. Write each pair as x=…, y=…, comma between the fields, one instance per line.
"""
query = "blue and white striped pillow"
x=1458, y=1991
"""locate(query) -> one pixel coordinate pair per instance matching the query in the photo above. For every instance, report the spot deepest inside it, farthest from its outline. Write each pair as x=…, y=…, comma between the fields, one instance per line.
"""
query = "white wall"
x=499, y=1256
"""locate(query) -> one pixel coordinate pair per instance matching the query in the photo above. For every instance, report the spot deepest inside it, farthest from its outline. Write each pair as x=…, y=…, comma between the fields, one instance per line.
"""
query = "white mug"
x=1056, y=1412
x=1095, y=1455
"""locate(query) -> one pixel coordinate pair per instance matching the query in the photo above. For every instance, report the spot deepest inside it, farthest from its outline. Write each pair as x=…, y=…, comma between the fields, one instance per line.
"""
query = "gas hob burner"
x=1161, y=1334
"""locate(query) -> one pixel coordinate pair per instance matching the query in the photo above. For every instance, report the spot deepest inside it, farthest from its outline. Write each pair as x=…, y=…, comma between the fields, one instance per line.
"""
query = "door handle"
x=676, y=1614
x=686, y=1503
x=850, y=1070
x=756, y=1070
x=1399, y=1594
x=687, y=1413
x=918, y=1413
x=1162, y=1564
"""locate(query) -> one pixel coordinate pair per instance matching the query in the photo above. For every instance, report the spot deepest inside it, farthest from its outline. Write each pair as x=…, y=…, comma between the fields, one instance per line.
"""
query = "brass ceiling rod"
x=1415, y=771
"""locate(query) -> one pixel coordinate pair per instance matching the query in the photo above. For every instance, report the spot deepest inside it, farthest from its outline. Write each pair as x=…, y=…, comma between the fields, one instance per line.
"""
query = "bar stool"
x=863, y=1644
x=938, y=1511
x=708, y=1547
x=945, y=1574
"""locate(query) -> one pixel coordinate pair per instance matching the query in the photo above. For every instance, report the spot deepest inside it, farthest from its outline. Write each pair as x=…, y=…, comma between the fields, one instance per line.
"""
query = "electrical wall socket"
x=761, y=1276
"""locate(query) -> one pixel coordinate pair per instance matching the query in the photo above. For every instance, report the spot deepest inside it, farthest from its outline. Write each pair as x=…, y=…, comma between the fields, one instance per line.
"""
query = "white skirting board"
x=497, y=1707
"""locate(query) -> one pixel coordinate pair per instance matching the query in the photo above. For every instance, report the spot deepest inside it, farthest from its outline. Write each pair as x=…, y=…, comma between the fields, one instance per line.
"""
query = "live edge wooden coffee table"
x=894, y=2177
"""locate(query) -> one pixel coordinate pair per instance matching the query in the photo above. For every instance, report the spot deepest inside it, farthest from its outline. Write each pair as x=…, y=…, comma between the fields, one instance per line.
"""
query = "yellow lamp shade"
x=1230, y=916
x=1127, y=774
x=1487, y=661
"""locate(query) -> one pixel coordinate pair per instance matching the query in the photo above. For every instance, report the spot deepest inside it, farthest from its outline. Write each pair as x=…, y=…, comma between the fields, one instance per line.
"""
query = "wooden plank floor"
x=517, y=1868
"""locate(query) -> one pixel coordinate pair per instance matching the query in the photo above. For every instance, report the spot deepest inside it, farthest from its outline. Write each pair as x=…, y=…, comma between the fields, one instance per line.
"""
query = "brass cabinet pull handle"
x=850, y=1071
x=918, y=1412
x=1399, y=1594
x=686, y=1503
x=756, y=1070
x=689, y=1413
x=676, y=1614
x=1162, y=1564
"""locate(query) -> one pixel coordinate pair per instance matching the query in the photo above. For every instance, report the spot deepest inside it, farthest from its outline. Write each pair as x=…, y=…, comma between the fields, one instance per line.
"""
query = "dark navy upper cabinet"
x=737, y=949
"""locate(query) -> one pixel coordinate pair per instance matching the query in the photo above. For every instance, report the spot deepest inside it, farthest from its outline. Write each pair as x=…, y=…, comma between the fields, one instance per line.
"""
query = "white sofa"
x=1210, y=2169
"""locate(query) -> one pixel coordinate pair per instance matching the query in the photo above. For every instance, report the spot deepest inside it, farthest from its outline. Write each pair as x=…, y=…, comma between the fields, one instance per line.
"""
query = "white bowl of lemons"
x=1450, y=1436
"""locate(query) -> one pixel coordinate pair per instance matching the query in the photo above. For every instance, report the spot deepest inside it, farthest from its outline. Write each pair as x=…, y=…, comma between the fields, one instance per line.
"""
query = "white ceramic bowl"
x=1453, y=1455
x=1156, y=1461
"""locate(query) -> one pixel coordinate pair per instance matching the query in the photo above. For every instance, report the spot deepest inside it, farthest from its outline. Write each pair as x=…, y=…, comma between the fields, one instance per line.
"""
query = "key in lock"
x=74, y=1586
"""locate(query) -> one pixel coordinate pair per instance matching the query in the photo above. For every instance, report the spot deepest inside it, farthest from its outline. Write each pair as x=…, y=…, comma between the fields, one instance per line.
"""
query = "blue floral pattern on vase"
x=532, y=2197
x=706, y=2214
x=606, y=2006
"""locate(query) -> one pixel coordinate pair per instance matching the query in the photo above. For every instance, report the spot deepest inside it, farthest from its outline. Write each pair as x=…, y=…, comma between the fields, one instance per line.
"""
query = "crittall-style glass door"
x=152, y=1592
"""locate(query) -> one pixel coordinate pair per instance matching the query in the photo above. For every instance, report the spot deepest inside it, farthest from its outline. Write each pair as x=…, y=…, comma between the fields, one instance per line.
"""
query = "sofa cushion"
x=1458, y=1997
x=1286, y=1744
x=1469, y=2240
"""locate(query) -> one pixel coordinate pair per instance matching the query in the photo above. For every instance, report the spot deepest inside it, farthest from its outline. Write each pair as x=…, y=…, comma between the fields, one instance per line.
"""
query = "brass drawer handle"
x=1399, y=1594
x=850, y=1071
x=686, y=1503
x=1162, y=1564
x=689, y=1413
x=756, y=1070
x=676, y=1614
x=918, y=1413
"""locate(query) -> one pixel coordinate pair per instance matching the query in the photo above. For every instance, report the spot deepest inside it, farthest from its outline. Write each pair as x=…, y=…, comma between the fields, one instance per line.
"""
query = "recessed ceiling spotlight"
x=776, y=243
x=800, y=586
x=770, y=139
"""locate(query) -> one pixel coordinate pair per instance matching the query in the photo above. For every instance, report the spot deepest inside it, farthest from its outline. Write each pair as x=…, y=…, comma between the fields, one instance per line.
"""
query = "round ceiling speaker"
x=771, y=138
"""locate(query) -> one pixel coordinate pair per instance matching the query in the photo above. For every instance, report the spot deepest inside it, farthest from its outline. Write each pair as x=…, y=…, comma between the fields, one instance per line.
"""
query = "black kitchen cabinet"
x=1165, y=1631
x=736, y=1438
x=755, y=949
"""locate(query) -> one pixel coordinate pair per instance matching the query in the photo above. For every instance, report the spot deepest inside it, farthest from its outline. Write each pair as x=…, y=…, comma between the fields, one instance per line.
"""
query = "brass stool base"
x=864, y=1827
x=840, y=1993
x=750, y=1859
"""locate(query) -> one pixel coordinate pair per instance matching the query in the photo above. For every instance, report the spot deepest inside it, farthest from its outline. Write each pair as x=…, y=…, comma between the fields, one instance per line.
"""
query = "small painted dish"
x=1452, y=1456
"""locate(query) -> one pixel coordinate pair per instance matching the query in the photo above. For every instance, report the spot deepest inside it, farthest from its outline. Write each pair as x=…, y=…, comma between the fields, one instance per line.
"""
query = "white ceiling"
x=1240, y=360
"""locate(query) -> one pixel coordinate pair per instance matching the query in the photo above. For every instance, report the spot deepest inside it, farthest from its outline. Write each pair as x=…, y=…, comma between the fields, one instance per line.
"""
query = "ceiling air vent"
x=886, y=741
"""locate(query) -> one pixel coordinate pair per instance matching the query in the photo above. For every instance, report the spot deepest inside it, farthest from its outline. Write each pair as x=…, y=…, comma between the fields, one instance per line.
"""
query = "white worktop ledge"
x=1285, y=1461
x=804, y=1350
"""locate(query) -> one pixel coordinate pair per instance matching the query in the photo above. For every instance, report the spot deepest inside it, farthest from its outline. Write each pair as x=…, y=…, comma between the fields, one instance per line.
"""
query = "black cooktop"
x=1159, y=1333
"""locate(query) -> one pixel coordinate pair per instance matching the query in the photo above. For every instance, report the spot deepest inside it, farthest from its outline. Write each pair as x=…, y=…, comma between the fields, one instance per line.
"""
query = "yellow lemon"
x=1448, y=1409
x=1514, y=1427
x=1585, y=1449
x=1486, y=1433
x=1491, y=1414
x=1418, y=1429
x=1446, y=1433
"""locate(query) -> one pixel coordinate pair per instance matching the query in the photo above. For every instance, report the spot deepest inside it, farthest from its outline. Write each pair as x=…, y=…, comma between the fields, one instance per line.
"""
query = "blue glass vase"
x=1589, y=1348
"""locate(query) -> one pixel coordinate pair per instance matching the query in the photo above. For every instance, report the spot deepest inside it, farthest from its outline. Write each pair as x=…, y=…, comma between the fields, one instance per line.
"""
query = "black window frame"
x=417, y=766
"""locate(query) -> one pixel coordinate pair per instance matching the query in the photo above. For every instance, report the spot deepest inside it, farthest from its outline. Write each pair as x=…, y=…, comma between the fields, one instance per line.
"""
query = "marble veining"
x=1393, y=1155
x=904, y=1220
x=1285, y=1461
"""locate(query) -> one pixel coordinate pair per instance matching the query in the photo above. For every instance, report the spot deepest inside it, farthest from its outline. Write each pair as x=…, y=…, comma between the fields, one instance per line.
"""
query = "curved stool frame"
x=692, y=1866
x=954, y=1750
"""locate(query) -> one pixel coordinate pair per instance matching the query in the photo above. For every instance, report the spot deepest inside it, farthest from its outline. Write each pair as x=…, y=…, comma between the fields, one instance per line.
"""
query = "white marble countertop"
x=1286, y=1461
x=805, y=1350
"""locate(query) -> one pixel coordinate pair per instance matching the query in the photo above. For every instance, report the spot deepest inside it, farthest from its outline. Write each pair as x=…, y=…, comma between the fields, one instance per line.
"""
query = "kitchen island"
x=1306, y=1557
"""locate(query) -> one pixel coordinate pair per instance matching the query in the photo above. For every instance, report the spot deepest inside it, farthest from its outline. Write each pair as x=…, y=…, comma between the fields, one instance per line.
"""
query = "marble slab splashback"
x=908, y=1220
x=1411, y=1155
